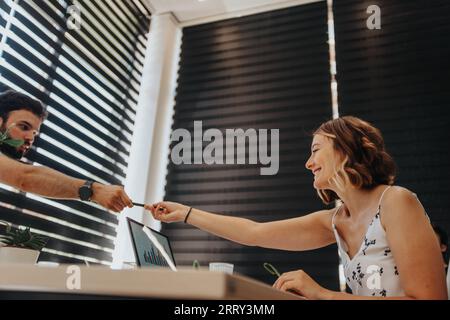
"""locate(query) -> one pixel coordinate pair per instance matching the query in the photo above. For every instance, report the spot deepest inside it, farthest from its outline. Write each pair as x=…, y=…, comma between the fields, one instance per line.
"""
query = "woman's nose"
x=309, y=163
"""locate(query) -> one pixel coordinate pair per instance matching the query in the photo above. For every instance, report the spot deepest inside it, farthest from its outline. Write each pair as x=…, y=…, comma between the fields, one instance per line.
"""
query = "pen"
x=142, y=205
x=138, y=204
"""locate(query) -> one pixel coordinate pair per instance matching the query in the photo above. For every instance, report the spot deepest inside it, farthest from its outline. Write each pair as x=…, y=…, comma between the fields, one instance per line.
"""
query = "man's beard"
x=10, y=151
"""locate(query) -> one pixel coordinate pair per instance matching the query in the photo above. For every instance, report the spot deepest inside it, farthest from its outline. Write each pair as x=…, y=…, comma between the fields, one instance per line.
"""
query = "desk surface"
x=138, y=283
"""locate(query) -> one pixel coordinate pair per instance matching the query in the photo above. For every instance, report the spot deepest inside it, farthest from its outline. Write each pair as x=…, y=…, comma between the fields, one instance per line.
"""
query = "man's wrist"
x=96, y=187
x=85, y=191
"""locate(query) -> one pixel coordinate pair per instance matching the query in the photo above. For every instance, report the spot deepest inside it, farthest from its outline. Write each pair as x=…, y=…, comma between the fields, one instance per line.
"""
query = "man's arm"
x=53, y=184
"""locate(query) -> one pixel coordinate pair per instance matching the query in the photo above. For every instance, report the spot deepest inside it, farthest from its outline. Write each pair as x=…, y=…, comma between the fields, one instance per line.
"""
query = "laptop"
x=151, y=248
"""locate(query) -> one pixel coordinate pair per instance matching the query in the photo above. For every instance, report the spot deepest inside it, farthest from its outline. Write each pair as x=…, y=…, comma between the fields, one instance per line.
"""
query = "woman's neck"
x=359, y=201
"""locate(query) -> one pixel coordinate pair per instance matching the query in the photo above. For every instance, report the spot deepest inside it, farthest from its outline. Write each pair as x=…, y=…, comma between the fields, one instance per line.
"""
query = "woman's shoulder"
x=398, y=203
x=325, y=217
x=398, y=193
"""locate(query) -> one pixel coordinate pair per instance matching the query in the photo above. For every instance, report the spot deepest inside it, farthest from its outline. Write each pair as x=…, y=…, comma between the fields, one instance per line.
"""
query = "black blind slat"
x=50, y=257
x=4, y=6
x=262, y=69
x=113, y=91
x=39, y=64
x=42, y=35
x=75, y=34
x=116, y=51
x=101, y=148
x=4, y=9
x=260, y=36
x=91, y=210
x=39, y=158
x=75, y=249
x=72, y=88
x=265, y=71
x=29, y=40
x=125, y=24
x=120, y=38
x=76, y=161
x=91, y=155
x=141, y=22
x=111, y=140
x=110, y=51
x=62, y=23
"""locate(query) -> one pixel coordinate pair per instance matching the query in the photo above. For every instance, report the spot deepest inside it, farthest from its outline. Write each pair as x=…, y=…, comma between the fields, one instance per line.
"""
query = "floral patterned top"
x=372, y=271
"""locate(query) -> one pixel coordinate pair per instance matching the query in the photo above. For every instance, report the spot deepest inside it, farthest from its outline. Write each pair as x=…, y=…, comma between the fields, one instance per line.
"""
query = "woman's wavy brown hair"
x=366, y=163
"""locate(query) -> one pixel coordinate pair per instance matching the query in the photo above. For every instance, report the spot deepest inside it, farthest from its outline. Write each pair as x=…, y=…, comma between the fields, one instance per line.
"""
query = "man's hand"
x=111, y=197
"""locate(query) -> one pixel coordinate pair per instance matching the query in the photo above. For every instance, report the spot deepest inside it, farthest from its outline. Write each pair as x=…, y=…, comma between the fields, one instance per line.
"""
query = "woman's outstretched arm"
x=304, y=233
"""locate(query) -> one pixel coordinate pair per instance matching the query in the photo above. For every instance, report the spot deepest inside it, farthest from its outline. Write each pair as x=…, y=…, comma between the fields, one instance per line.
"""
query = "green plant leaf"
x=5, y=138
x=4, y=135
x=14, y=142
x=196, y=265
x=24, y=238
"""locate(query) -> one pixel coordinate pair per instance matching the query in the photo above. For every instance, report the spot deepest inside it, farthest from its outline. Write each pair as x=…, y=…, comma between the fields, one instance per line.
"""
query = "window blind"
x=396, y=77
x=264, y=71
x=89, y=78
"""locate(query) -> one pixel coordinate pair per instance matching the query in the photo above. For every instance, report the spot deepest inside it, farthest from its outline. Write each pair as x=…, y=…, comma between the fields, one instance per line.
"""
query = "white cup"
x=221, y=267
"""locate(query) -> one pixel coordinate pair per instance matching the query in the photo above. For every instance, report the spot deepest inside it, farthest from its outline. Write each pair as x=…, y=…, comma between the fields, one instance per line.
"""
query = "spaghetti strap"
x=381, y=198
x=334, y=215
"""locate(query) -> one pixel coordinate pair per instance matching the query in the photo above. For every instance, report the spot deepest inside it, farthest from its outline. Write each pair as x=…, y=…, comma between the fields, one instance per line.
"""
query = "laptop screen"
x=151, y=248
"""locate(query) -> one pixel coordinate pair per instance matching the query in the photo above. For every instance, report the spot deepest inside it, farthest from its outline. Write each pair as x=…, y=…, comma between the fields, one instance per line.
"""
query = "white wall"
x=151, y=138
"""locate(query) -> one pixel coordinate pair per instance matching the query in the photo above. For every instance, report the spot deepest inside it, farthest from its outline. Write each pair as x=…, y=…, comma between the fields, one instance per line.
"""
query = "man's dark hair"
x=12, y=100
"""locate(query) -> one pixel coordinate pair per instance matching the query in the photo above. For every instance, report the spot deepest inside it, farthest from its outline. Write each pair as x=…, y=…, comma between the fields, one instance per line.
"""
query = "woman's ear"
x=1, y=121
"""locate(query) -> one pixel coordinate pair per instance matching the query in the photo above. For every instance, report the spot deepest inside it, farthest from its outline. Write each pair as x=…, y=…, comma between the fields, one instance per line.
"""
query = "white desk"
x=139, y=283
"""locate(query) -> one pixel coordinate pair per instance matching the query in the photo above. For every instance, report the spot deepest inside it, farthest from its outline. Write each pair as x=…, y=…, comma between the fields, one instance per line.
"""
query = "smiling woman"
x=383, y=233
x=355, y=151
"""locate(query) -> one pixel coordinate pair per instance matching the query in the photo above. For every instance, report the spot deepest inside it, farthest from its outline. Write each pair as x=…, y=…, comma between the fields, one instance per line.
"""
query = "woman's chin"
x=320, y=185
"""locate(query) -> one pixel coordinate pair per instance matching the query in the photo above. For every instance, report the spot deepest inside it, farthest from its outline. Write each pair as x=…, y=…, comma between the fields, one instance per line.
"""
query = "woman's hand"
x=301, y=283
x=168, y=211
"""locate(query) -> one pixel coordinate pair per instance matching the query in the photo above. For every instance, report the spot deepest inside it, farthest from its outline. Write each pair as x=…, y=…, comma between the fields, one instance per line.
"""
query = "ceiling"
x=190, y=12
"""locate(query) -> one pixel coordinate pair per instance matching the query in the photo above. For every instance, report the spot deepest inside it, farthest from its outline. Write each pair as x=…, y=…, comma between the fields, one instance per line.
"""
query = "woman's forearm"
x=239, y=230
